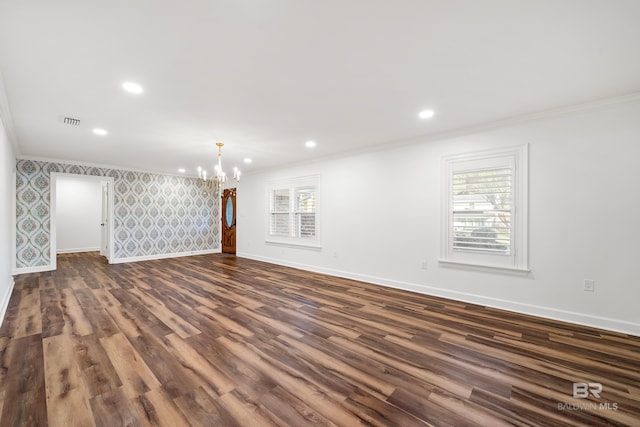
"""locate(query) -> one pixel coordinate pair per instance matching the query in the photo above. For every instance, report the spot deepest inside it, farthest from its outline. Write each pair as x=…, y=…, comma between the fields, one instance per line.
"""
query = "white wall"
x=7, y=215
x=584, y=203
x=78, y=213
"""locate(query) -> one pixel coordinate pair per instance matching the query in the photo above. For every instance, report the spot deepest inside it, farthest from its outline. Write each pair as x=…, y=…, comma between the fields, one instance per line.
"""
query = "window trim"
x=516, y=157
x=291, y=184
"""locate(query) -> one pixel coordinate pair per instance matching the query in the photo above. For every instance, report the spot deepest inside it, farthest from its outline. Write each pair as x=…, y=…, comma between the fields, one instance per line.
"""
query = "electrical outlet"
x=589, y=285
x=424, y=264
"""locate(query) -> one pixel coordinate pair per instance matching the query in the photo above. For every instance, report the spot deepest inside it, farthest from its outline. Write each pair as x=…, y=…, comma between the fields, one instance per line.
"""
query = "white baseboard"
x=5, y=300
x=583, y=319
x=37, y=269
x=73, y=251
x=163, y=256
x=41, y=268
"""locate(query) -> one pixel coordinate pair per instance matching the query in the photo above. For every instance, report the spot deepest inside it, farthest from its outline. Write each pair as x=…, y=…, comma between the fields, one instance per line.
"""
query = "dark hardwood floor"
x=216, y=340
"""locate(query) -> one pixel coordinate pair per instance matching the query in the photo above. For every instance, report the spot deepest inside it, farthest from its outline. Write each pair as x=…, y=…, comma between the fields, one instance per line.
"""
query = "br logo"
x=582, y=390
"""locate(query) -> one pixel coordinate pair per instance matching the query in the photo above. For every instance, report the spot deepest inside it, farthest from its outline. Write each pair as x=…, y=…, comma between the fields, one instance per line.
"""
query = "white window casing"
x=293, y=211
x=485, y=209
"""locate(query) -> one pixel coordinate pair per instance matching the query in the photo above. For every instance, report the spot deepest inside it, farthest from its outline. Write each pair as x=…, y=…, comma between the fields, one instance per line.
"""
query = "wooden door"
x=229, y=221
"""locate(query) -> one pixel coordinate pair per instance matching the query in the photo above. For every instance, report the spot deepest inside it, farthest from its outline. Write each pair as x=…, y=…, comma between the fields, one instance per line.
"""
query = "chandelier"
x=219, y=179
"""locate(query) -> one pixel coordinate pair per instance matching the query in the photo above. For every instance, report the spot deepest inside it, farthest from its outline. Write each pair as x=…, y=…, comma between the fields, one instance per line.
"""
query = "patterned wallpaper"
x=153, y=214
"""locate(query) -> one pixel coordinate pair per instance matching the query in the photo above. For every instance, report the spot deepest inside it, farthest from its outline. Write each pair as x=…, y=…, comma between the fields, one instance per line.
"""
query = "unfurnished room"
x=289, y=213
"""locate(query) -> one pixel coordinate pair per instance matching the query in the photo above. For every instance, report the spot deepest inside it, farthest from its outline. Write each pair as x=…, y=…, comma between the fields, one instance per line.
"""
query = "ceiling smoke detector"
x=71, y=121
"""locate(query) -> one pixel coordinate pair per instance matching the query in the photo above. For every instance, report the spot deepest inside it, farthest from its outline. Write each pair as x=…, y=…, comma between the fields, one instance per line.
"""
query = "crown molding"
x=100, y=165
x=530, y=117
x=505, y=122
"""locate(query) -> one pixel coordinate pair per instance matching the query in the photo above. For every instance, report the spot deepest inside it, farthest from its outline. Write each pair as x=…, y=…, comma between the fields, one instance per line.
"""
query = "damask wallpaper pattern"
x=153, y=214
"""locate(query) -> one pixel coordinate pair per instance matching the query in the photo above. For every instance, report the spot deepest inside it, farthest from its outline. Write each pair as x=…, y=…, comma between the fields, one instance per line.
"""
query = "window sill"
x=310, y=245
x=486, y=267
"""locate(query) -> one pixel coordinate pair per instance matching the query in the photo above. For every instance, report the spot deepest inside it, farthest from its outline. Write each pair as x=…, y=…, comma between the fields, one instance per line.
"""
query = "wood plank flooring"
x=216, y=340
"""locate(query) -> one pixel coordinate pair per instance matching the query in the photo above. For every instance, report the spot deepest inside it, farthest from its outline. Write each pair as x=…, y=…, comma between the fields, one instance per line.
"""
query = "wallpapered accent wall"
x=153, y=214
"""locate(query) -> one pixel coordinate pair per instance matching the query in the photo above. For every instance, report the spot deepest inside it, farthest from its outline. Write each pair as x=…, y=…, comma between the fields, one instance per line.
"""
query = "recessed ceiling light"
x=132, y=87
x=182, y=170
x=100, y=132
x=426, y=114
x=310, y=144
x=247, y=160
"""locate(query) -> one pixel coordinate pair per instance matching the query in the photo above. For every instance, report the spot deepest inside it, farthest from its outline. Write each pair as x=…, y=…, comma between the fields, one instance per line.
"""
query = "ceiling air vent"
x=71, y=121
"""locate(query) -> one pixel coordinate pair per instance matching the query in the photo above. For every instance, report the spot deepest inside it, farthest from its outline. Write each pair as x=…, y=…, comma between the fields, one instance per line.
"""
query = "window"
x=485, y=209
x=293, y=211
x=280, y=213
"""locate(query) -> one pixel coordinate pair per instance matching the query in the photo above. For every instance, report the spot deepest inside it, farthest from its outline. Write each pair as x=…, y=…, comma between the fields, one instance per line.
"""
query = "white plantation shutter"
x=280, y=212
x=481, y=214
x=293, y=212
x=305, y=212
x=485, y=210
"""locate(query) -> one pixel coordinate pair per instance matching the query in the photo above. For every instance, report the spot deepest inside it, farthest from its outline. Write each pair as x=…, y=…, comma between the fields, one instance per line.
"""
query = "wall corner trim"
x=4, y=304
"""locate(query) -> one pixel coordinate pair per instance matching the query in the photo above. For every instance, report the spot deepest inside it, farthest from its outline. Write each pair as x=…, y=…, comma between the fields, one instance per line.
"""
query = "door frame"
x=53, y=213
x=105, y=219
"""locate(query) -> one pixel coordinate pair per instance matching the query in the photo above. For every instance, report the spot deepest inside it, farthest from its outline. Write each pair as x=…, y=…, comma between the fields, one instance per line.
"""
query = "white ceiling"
x=265, y=76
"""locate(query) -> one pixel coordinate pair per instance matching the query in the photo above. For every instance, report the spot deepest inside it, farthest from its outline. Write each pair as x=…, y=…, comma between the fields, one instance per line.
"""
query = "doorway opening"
x=81, y=215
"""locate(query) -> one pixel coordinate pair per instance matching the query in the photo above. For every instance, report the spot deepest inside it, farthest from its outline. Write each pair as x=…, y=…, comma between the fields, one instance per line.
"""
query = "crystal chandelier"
x=219, y=179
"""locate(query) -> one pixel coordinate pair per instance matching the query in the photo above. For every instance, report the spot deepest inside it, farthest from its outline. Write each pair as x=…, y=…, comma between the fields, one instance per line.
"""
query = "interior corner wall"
x=155, y=216
x=7, y=173
x=78, y=214
x=381, y=219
